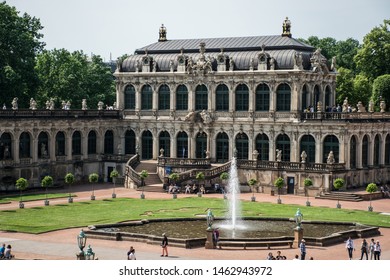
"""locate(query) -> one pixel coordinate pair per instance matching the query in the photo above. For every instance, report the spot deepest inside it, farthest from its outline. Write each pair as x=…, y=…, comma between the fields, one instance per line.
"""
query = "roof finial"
x=162, y=33
x=286, y=28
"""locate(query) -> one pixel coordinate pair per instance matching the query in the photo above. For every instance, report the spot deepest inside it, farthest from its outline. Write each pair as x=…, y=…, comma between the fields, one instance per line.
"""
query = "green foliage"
x=344, y=85
x=93, y=177
x=47, y=181
x=373, y=59
x=345, y=52
x=144, y=174
x=199, y=176
x=307, y=182
x=69, y=178
x=19, y=45
x=338, y=183
x=279, y=182
x=371, y=188
x=224, y=176
x=362, y=88
x=173, y=176
x=252, y=182
x=381, y=89
x=21, y=184
x=73, y=77
x=114, y=174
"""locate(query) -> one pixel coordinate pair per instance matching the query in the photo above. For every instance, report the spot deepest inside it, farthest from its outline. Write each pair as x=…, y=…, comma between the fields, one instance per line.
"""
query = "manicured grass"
x=78, y=214
x=32, y=197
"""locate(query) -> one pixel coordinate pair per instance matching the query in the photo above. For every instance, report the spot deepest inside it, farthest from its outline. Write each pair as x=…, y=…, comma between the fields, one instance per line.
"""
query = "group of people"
x=5, y=252
x=278, y=256
x=385, y=191
x=373, y=249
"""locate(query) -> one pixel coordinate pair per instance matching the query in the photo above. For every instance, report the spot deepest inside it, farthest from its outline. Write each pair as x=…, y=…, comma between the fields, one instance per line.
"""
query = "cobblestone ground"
x=61, y=245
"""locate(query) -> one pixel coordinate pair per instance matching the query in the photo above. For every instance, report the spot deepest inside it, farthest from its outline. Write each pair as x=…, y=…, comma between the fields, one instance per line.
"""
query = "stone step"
x=344, y=196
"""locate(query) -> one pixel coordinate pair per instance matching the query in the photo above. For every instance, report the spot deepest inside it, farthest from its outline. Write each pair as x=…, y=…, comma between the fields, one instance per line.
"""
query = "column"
x=34, y=151
x=155, y=99
x=68, y=145
x=211, y=98
x=84, y=144
x=173, y=146
x=156, y=149
x=15, y=149
x=191, y=98
x=120, y=96
x=137, y=99
x=272, y=98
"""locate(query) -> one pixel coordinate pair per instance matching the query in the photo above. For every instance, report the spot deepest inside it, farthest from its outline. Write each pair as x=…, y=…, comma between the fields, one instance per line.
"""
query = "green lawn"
x=79, y=214
x=32, y=197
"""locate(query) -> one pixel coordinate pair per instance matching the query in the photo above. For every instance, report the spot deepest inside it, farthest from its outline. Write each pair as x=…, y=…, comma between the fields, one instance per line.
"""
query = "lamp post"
x=298, y=231
x=89, y=255
x=209, y=231
x=81, y=241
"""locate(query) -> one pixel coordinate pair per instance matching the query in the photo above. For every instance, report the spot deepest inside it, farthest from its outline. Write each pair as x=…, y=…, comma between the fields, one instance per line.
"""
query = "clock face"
x=262, y=59
x=181, y=60
x=146, y=60
x=221, y=60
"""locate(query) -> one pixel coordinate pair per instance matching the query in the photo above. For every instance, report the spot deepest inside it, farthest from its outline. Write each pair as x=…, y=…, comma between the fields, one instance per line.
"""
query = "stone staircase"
x=343, y=196
x=152, y=182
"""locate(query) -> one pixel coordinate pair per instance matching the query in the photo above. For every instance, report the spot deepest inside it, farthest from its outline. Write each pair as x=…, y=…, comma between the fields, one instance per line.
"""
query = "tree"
x=344, y=85
x=279, y=183
x=381, y=90
x=327, y=45
x=113, y=175
x=371, y=188
x=373, y=59
x=345, y=52
x=144, y=174
x=46, y=182
x=173, y=177
x=252, y=182
x=307, y=183
x=19, y=45
x=362, y=90
x=338, y=184
x=93, y=178
x=69, y=179
x=21, y=184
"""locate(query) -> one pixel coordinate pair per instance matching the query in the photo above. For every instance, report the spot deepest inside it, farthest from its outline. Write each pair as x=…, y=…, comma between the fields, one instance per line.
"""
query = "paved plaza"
x=62, y=245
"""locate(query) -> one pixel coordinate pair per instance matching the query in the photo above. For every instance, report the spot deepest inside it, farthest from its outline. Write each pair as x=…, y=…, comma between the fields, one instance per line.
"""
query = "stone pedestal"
x=209, y=241
x=80, y=256
x=298, y=236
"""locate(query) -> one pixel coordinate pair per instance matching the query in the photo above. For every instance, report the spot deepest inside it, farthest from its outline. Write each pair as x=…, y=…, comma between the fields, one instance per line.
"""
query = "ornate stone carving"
x=33, y=104
x=15, y=104
x=203, y=65
x=298, y=61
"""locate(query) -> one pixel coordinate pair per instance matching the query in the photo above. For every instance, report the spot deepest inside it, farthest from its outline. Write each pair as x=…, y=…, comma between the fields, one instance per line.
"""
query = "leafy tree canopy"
x=381, y=90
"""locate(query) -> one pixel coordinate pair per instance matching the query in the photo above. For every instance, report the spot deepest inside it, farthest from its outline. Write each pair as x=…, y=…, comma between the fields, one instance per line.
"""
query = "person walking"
x=377, y=251
x=371, y=248
x=164, y=245
x=350, y=247
x=364, y=249
x=131, y=254
x=302, y=249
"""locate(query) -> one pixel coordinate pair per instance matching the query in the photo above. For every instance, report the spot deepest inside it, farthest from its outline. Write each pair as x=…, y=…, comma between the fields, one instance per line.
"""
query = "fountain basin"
x=191, y=232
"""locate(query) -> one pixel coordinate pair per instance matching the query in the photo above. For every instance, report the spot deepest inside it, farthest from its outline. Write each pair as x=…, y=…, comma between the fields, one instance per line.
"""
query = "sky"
x=112, y=28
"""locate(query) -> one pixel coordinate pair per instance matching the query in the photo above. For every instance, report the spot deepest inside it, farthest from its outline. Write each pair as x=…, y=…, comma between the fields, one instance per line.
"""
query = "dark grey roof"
x=228, y=44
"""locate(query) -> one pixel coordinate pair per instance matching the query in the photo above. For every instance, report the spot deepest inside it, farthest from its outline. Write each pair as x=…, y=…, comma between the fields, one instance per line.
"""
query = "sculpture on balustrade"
x=33, y=104
x=303, y=157
x=100, y=105
x=84, y=104
x=15, y=104
x=371, y=106
x=43, y=150
x=278, y=155
x=345, y=105
x=330, y=159
x=382, y=106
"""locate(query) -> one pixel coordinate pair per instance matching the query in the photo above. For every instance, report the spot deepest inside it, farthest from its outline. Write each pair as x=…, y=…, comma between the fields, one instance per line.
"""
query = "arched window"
x=242, y=98
x=222, y=98
x=308, y=144
x=352, y=152
x=164, y=97
x=165, y=143
x=6, y=146
x=283, y=98
x=222, y=146
x=92, y=142
x=182, y=98
x=201, y=145
x=147, y=145
x=130, y=142
x=328, y=97
x=262, y=147
x=331, y=143
x=76, y=143
x=242, y=146
x=305, y=98
x=387, y=150
x=262, y=97
x=182, y=145
x=146, y=97
x=201, y=97
x=365, y=148
x=317, y=97
x=377, y=151
x=109, y=142
x=283, y=145
x=43, y=145
x=60, y=144
x=130, y=97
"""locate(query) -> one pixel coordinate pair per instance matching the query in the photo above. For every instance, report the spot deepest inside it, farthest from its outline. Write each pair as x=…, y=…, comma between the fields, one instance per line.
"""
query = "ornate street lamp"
x=210, y=219
x=89, y=255
x=81, y=241
x=298, y=218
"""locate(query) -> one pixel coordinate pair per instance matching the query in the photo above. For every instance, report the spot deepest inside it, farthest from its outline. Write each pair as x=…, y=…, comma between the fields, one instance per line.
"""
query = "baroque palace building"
x=193, y=104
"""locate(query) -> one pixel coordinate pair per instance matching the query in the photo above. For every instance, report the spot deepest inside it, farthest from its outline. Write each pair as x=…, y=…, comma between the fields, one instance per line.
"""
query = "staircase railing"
x=131, y=173
x=208, y=173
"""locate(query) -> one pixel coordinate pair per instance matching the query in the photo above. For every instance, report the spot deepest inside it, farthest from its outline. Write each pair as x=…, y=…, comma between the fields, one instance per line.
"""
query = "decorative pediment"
x=262, y=59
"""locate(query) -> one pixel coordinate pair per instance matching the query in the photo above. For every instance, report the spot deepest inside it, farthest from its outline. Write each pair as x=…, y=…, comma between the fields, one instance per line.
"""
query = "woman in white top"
x=350, y=247
x=377, y=251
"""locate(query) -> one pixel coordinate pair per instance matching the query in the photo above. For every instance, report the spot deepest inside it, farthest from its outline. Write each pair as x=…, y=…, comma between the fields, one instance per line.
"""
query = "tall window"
x=182, y=145
x=165, y=143
x=328, y=97
x=352, y=152
x=201, y=145
x=242, y=146
x=146, y=97
x=262, y=147
x=283, y=98
x=43, y=145
x=60, y=144
x=376, y=150
x=92, y=142
x=222, y=98
x=5, y=146
x=387, y=150
x=109, y=142
x=365, y=148
x=76, y=143
x=164, y=97
x=242, y=98
x=262, y=97
x=331, y=143
x=130, y=142
x=222, y=145
x=305, y=98
x=283, y=144
x=201, y=97
x=182, y=98
x=308, y=144
x=24, y=142
x=147, y=145
x=130, y=97
x=317, y=96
